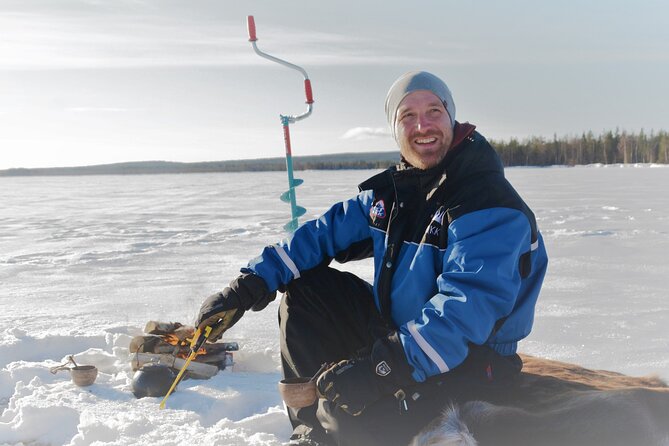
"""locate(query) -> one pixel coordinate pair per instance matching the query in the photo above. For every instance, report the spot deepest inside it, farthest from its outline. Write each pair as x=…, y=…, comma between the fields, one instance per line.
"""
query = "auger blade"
x=285, y=197
x=299, y=211
x=291, y=226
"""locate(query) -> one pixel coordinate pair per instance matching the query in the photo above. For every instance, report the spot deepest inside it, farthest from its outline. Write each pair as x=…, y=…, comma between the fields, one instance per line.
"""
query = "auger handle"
x=308, y=92
x=253, y=38
x=251, y=25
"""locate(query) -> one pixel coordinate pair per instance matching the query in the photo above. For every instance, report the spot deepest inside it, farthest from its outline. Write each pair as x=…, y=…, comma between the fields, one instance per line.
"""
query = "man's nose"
x=421, y=122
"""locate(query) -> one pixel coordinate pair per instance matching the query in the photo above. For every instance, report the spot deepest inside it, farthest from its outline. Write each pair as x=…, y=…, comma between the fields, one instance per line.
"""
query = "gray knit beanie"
x=412, y=81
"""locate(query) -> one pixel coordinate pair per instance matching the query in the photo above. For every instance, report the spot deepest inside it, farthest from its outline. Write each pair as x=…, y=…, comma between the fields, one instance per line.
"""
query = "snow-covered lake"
x=85, y=262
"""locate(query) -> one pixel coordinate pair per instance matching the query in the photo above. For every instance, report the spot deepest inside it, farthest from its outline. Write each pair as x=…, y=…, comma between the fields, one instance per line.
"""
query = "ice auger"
x=286, y=120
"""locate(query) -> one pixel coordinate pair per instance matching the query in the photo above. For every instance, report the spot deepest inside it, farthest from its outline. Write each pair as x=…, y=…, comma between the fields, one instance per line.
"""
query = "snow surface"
x=85, y=262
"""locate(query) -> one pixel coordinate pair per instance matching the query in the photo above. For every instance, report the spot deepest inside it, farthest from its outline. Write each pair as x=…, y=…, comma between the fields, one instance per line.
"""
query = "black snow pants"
x=327, y=315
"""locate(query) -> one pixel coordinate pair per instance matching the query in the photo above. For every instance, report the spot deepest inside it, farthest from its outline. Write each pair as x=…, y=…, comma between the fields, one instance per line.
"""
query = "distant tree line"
x=611, y=147
x=366, y=160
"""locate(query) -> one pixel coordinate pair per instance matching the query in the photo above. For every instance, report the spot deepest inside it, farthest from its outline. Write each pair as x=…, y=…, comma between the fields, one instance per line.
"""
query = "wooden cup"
x=298, y=392
x=84, y=375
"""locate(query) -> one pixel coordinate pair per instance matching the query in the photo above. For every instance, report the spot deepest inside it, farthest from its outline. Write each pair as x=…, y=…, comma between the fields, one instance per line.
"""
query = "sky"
x=100, y=81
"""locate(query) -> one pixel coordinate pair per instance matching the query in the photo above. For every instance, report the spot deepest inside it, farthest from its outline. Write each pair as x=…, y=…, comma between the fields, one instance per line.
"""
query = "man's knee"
x=326, y=287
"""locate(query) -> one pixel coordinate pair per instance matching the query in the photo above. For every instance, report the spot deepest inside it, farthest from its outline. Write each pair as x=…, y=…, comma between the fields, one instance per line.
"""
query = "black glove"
x=222, y=310
x=354, y=384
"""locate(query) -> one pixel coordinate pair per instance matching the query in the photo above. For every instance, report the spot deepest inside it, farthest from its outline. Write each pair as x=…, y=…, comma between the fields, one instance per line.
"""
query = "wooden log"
x=156, y=327
x=182, y=332
x=221, y=347
x=195, y=369
x=151, y=344
x=221, y=360
x=156, y=344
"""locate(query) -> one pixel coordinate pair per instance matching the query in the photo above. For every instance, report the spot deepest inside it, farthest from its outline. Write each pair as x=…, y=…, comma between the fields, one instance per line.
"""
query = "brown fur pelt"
x=556, y=404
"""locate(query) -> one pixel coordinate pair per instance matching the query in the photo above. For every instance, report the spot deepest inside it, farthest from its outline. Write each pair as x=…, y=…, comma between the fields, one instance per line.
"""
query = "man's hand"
x=222, y=310
x=354, y=384
x=350, y=384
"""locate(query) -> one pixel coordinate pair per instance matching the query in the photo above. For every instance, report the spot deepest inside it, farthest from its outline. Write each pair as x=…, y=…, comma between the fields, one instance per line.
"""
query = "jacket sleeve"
x=478, y=285
x=344, y=225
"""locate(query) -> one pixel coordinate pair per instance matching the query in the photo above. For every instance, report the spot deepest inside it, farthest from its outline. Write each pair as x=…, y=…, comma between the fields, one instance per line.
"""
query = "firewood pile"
x=168, y=343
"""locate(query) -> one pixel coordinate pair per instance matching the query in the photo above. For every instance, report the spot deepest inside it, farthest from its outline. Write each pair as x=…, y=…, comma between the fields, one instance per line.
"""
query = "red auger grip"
x=251, y=25
x=307, y=90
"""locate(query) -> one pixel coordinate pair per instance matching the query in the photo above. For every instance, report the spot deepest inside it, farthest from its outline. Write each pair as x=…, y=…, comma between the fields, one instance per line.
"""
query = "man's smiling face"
x=424, y=131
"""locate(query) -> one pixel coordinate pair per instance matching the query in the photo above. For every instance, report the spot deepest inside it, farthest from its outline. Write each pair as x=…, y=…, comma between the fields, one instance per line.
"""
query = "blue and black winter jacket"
x=458, y=259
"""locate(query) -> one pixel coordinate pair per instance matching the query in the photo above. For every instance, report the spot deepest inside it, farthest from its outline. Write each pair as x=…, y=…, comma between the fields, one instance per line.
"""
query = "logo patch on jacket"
x=382, y=368
x=378, y=210
x=433, y=231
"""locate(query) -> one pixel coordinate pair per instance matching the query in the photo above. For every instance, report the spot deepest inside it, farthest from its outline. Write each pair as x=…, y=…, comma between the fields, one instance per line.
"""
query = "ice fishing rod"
x=195, y=344
x=286, y=120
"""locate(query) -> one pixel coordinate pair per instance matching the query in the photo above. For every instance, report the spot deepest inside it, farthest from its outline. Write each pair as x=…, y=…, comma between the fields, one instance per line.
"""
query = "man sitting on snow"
x=458, y=265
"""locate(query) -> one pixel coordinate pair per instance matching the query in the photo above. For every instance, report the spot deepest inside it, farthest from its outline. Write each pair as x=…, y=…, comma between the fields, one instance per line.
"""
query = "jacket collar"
x=461, y=133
